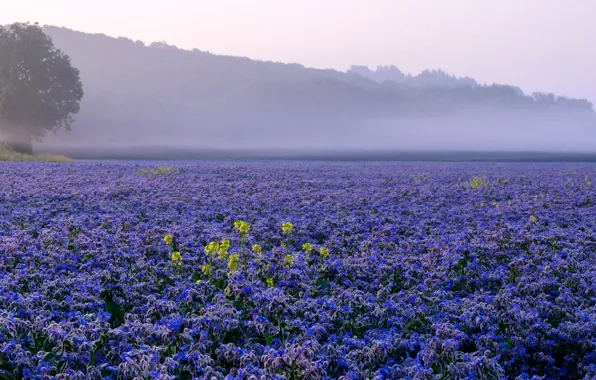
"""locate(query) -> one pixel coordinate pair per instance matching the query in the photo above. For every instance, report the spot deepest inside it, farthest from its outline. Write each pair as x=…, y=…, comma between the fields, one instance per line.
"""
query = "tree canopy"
x=40, y=91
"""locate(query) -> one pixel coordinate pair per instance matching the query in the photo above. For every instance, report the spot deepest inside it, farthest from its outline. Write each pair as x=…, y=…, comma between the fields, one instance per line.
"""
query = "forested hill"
x=161, y=95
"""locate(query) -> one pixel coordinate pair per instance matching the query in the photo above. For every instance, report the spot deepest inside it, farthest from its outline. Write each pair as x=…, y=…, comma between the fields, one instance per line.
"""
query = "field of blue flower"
x=297, y=271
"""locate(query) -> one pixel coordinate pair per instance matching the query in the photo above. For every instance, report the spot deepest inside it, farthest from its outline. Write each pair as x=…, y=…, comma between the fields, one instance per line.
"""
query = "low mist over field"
x=161, y=96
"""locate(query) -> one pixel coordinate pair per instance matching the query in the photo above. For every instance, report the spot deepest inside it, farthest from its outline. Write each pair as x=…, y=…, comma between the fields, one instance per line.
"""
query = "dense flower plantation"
x=297, y=271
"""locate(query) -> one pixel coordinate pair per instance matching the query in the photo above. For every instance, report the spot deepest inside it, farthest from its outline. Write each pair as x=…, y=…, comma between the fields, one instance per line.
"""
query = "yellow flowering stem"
x=324, y=252
x=286, y=228
x=206, y=269
x=289, y=261
x=242, y=227
x=233, y=263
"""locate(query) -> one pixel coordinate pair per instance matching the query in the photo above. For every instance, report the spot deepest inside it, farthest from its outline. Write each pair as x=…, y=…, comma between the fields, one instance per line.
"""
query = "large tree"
x=39, y=89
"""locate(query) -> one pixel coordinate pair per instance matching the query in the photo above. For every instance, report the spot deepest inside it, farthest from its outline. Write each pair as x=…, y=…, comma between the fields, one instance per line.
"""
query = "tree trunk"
x=25, y=147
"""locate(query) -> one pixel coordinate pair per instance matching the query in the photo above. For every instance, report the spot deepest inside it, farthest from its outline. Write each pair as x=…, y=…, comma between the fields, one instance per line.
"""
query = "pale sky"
x=539, y=45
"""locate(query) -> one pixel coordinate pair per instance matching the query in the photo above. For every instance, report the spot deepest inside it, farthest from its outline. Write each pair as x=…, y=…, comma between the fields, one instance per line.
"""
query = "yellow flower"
x=269, y=282
x=286, y=228
x=289, y=260
x=256, y=248
x=478, y=182
x=206, y=269
x=198, y=281
x=223, y=249
x=233, y=262
x=168, y=239
x=241, y=226
x=176, y=257
x=212, y=248
x=324, y=252
x=533, y=219
x=307, y=247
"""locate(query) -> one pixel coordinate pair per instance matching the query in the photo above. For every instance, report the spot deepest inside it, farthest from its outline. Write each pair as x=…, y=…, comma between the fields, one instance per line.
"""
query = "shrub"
x=478, y=182
x=9, y=155
x=160, y=170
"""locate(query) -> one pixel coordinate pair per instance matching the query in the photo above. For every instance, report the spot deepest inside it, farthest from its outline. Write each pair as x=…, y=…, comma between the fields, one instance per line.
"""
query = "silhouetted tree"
x=39, y=89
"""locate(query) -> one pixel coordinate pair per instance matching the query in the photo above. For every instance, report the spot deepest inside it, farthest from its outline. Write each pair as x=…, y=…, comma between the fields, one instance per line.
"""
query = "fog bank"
x=139, y=96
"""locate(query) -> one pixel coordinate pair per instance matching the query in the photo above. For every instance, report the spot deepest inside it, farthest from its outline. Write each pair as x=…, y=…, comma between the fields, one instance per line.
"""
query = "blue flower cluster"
x=380, y=271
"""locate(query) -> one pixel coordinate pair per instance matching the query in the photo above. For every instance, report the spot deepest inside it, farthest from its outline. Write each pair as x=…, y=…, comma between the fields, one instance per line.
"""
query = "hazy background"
x=161, y=95
x=539, y=45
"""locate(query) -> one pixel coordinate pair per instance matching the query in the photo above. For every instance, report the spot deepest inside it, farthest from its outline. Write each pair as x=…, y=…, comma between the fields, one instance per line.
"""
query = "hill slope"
x=137, y=95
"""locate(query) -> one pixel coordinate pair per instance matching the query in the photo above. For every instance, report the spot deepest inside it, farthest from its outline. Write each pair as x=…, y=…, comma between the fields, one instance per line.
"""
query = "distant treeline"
x=159, y=93
x=468, y=89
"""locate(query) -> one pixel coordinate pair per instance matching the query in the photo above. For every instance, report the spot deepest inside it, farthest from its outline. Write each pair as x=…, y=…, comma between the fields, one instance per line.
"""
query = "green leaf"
x=51, y=356
x=220, y=284
x=170, y=350
x=239, y=305
x=359, y=331
x=117, y=312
